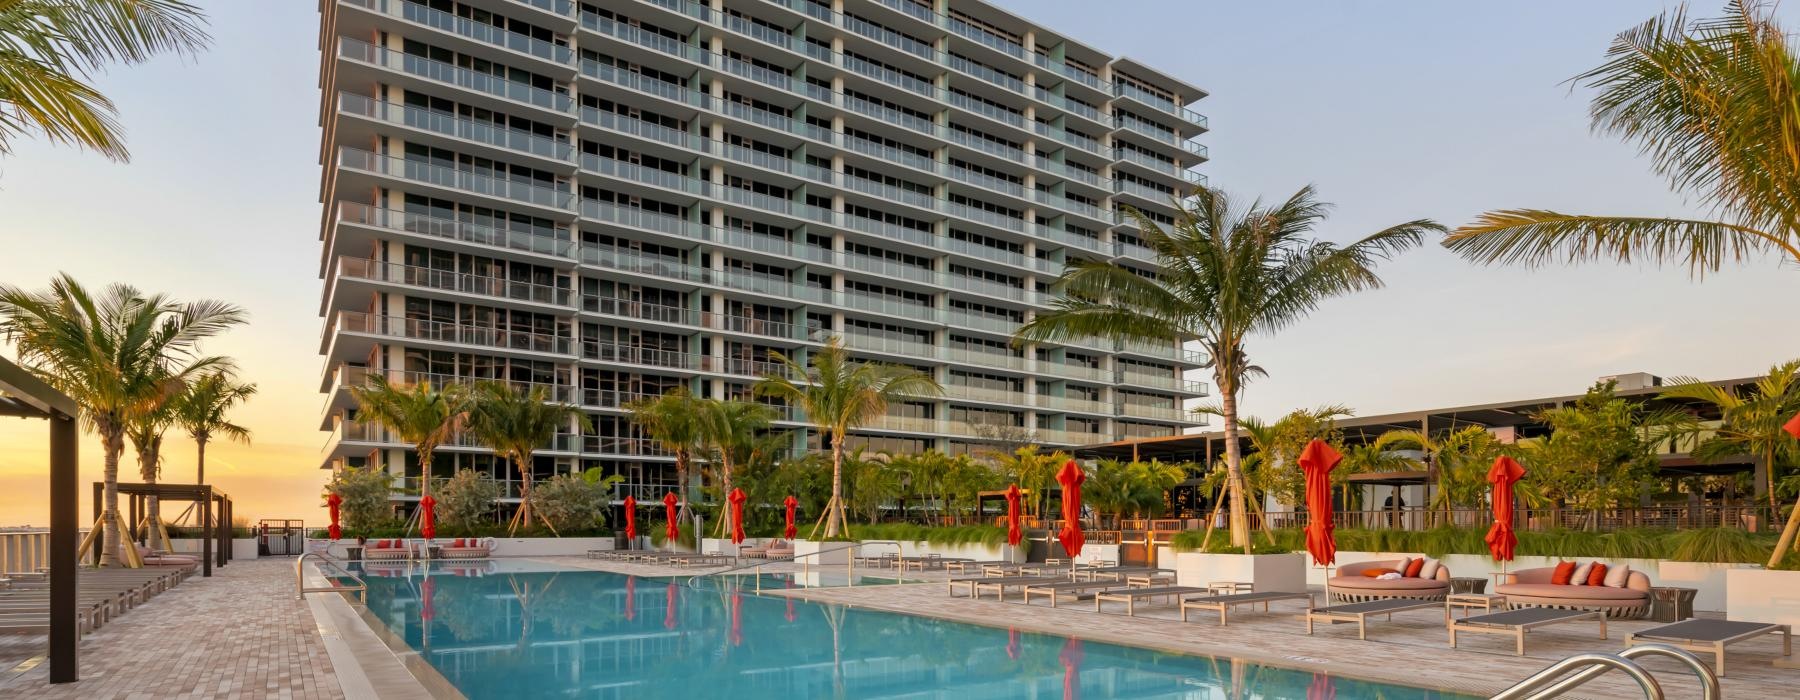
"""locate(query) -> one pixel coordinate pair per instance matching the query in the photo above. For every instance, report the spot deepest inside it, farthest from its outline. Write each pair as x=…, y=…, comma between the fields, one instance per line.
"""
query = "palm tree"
x=1033, y=471
x=840, y=394
x=1225, y=274
x=734, y=430
x=1368, y=458
x=1711, y=102
x=145, y=431
x=115, y=354
x=52, y=47
x=514, y=423
x=201, y=411
x=672, y=420
x=422, y=414
x=1751, y=424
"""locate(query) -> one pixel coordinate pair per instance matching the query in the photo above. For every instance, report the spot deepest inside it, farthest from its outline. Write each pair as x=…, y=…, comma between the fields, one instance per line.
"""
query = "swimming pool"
x=499, y=633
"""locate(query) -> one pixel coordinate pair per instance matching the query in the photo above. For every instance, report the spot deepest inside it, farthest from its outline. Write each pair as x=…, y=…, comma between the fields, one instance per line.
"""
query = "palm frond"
x=1534, y=238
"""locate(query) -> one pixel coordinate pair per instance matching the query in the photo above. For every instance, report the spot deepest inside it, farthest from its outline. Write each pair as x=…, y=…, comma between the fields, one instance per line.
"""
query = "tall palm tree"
x=839, y=394
x=145, y=431
x=1711, y=102
x=734, y=430
x=1033, y=471
x=1751, y=423
x=514, y=423
x=114, y=353
x=201, y=410
x=672, y=420
x=1227, y=273
x=52, y=47
x=423, y=414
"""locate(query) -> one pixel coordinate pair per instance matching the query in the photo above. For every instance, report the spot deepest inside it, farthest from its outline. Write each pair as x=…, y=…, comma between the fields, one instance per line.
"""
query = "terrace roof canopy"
x=23, y=395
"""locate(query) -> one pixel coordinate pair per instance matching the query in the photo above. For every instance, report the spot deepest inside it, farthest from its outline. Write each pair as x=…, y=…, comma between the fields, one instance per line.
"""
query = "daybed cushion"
x=1618, y=576
x=1563, y=573
x=1376, y=572
x=1363, y=583
x=1561, y=591
x=1580, y=577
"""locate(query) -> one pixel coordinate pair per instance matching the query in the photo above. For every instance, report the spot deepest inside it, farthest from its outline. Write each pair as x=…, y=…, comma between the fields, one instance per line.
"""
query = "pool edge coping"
x=350, y=642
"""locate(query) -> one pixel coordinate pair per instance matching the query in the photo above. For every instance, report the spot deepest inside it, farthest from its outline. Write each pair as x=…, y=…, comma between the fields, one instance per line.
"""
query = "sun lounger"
x=964, y=566
x=1712, y=636
x=1223, y=603
x=1359, y=612
x=1045, y=568
x=1000, y=585
x=1111, y=573
x=1131, y=594
x=1518, y=622
x=968, y=584
x=1007, y=569
x=1079, y=590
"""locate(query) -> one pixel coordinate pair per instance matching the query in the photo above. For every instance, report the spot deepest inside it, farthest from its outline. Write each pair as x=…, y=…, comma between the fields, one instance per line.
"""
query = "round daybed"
x=1351, y=586
x=1531, y=588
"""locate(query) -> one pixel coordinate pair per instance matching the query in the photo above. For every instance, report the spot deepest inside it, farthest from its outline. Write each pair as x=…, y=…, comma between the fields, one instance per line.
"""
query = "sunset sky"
x=1395, y=110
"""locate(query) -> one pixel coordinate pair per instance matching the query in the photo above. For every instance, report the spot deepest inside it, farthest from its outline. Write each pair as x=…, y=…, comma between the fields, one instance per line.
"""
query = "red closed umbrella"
x=1071, y=663
x=630, y=598
x=1793, y=426
x=1317, y=461
x=630, y=521
x=1071, y=478
x=1013, y=533
x=426, y=590
x=736, y=636
x=332, y=502
x=737, y=499
x=669, y=609
x=1323, y=687
x=790, y=504
x=1501, y=540
x=789, y=584
x=674, y=531
x=1012, y=643
x=428, y=519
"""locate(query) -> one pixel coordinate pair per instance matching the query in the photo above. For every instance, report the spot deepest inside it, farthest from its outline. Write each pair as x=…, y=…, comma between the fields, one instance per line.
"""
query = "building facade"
x=613, y=199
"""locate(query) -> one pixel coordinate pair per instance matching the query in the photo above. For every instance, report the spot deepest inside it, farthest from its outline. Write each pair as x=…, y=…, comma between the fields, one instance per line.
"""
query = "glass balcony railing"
x=454, y=230
x=445, y=332
x=350, y=376
x=451, y=281
x=454, y=126
x=362, y=51
x=561, y=7
x=1166, y=413
x=1164, y=104
x=468, y=28
x=615, y=353
x=433, y=173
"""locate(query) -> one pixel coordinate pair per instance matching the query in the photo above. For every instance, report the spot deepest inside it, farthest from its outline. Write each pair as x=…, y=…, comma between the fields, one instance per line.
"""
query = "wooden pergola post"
x=24, y=395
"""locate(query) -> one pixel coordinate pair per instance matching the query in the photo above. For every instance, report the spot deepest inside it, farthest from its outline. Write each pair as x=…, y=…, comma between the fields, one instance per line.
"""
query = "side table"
x=1671, y=603
x=1468, y=601
x=1460, y=584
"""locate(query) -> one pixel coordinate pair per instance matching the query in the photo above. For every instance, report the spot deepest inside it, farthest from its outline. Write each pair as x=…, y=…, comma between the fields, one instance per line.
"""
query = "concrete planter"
x=973, y=551
x=1707, y=578
x=711, y=545
x=835, y=552
x=1760, y=595
x=241, y=548
x=1098, y=552
x=546, y=546
x=1267, y=572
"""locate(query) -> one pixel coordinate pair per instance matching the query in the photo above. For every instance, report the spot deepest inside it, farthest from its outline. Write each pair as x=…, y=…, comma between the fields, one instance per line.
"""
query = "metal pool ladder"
x=301, y=589
x=1552, y=682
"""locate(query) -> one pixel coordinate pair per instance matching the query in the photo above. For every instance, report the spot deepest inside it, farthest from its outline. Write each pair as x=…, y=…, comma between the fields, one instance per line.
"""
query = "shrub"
x=571, y=503
x=950, y=535
x=465, y=500
x=1715, y=544
x=365, y=499
x=1707, y=544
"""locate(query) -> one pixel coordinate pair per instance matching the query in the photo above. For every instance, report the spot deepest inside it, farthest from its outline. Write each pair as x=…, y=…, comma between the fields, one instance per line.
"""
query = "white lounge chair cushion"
x=1618, y=576
x=1581, y=574
x=1430, y=569
x=1388, y=577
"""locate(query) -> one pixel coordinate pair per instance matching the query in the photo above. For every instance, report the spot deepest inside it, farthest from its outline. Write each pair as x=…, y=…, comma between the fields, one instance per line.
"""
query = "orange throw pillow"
x=1378, y=572
x=1564, y=572
x=1412, y=570
x=1597, y=577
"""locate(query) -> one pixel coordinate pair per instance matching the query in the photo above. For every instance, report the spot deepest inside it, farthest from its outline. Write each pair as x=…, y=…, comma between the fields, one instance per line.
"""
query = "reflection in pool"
x=499, y=633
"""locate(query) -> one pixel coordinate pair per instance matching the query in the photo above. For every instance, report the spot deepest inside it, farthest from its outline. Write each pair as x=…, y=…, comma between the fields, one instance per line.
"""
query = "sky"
x=1395, y=110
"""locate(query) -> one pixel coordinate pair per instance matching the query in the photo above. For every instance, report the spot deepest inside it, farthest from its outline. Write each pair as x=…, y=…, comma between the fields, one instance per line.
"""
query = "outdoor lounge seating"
x=1077, y=590
x=1518, y=622
x=469, y=548
x=1712, y=636
x=1224, y=603
x=1351, y=586
x=377, y=550
x=1131, y=595
x=1359, y=612
x=1531, y=588
x=167, y=559
x=964, y=566
x=999, y=584
x=104, y=595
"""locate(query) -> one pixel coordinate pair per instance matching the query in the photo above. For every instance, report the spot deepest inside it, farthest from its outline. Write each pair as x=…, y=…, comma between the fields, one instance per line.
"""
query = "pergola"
x=25, y=396
x=215, y=547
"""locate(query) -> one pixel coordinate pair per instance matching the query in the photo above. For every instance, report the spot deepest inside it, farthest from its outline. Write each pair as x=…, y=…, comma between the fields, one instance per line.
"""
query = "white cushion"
x=1430, y=569
x=1581, y=574
x=1403, y=563
x=1388, y=577
x=1618, y=576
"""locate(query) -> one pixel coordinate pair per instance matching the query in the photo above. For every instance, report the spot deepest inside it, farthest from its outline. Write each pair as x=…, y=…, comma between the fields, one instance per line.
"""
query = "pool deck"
x=1412, y=649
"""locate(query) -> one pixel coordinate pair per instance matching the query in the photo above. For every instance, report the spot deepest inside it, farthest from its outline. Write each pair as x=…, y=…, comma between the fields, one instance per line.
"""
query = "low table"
x=1468, y=601
x=1672, y=603
x=1468, y=585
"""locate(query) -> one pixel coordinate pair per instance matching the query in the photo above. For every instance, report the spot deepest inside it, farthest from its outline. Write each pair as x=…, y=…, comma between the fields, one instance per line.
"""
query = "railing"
x=1545, y=683
x=24, y=550
x=450, y=229
x=419, y=329
x=452, y=281
x=301, y=589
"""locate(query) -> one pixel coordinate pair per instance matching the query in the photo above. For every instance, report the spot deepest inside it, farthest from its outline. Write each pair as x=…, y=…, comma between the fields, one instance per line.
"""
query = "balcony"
x=883, y=344
x=455, y=127
x=985, y=359
x=1160, y=103
x=451, y=281
x=615, y=353
x=1070, y=437
x=1163, y=413
x=380, y=325
x=908, y=424
x=451, y=230
x=1074, y=405
x=348, y=376
x=431, y=173
x=1078, y=372
x=1163, y=381
x=883, y=304
x=468, y=29
x=450, y=74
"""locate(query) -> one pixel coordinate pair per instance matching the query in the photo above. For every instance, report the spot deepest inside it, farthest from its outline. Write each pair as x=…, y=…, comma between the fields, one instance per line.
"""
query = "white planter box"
x=970, y=551
x=1098, y=552
x=1267, y=572
x=544, y=546
x=835, y=552
x=712, y=545
x=241, y=548
x=1759, y=595
x=1708, y=579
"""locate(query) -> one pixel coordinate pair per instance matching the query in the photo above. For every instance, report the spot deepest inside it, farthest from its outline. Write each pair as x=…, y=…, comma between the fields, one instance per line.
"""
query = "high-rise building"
x=615, y=198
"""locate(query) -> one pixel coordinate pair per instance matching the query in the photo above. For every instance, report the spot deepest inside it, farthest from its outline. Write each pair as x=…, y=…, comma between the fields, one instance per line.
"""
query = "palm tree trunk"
x=1234, y=473
x=1786, y=543
x=200, y=460
x=681, y=485
x=834, y=510
x=424, y=471
x=147, y=460
x=525, y=482
x=112, y=443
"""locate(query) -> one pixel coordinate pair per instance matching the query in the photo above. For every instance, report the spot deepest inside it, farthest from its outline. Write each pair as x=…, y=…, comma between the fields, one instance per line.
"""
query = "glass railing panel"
x=354, y=49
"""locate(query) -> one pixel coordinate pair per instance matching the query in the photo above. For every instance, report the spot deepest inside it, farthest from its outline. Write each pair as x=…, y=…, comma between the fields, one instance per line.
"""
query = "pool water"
x=577, y=633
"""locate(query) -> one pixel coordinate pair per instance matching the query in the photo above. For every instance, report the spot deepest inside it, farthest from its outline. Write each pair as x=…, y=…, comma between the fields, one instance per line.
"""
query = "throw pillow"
x=1563, y=573
x=1430, y=571
x=1376, y=572
x=1401, y=565
x=1618, y=576
x=1597, y=577
x=1389, y=576
x=1414, y=567
x=1580, y=576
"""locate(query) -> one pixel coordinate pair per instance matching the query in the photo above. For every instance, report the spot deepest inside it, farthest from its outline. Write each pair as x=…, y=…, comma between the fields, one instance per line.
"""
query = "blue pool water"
x=499, y=633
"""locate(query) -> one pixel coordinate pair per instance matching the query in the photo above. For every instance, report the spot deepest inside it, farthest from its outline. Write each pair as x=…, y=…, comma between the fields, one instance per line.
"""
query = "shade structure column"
x=206, y=542
x=65, y=507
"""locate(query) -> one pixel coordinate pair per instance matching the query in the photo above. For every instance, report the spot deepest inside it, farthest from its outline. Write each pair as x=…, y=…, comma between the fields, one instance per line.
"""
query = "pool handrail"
x=301, y=589
x=851, y=562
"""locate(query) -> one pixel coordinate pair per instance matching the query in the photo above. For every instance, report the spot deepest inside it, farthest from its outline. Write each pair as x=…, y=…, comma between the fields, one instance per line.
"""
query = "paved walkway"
x=239, y=634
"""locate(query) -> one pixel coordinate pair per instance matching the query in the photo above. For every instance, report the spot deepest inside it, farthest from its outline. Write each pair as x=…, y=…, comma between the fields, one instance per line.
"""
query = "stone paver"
x=239, y=634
